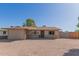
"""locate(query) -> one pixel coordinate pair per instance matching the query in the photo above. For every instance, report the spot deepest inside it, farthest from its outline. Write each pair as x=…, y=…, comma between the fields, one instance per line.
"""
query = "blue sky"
x=63, y=16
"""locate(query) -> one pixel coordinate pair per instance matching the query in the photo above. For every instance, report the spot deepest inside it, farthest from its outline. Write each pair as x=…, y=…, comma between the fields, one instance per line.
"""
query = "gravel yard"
x=57, y=47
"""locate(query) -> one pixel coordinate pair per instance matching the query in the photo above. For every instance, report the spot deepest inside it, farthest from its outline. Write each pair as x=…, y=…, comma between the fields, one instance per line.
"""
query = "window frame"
x=4, y=32
x=51, y=32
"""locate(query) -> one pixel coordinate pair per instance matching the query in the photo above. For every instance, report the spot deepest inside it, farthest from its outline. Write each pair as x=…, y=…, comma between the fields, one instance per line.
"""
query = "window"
x=4, y=32
x=51, y=32
x=34, y=32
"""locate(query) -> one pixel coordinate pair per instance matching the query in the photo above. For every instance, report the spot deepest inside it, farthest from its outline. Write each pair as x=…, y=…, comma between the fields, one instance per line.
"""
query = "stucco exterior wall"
x=46, y=34
x=32, y=35
x=21, y=34
x=57, y=34
x=16, y=34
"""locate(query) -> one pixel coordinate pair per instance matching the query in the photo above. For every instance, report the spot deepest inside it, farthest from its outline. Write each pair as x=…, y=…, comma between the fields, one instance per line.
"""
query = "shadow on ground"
x=40, y=39
x=72, y=52
x=6, y=40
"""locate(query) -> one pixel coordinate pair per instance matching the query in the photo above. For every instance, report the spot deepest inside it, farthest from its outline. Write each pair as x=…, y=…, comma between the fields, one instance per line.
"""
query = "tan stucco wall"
x=32, y=35
x=46, y=34
x=57, y=34
x=21, y=34
x=16, y=34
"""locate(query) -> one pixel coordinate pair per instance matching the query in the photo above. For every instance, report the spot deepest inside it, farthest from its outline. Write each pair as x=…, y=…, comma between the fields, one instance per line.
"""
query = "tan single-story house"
x=33, y=32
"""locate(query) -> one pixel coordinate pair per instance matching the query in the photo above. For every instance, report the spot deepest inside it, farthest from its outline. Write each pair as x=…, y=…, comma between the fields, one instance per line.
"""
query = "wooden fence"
x=74, y=35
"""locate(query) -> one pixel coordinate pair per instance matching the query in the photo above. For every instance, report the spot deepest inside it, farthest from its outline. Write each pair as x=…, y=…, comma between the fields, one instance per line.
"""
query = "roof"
x=46, y=28
x=3, y=29
x=35, y=28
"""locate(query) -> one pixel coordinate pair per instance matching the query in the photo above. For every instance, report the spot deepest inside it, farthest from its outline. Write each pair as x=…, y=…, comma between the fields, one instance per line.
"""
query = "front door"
x=42, y=34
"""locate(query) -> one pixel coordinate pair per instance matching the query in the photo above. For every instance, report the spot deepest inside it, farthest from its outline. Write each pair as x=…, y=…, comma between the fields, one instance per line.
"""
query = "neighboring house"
x=3, y=33
x=33, y=32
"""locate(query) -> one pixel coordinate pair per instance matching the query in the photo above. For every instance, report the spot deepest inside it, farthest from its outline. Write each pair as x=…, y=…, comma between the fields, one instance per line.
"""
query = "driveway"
x=57, y=47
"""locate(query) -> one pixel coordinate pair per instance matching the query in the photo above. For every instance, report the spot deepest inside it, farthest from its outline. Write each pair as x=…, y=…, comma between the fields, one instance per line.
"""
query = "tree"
x=29, y=22
x=23, y=24
x=77, y=30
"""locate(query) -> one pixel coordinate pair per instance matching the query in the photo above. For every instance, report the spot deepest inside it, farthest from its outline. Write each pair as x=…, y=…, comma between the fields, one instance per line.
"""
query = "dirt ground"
x=57, y=47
